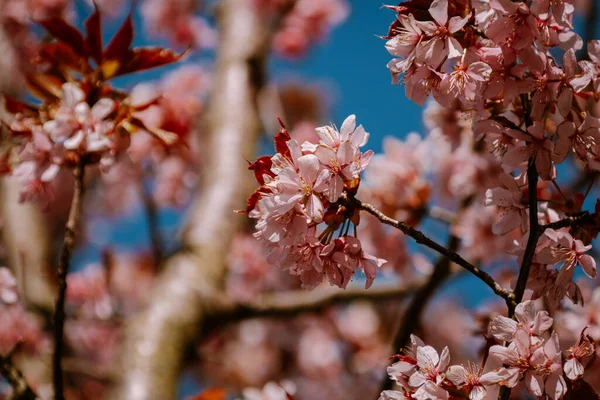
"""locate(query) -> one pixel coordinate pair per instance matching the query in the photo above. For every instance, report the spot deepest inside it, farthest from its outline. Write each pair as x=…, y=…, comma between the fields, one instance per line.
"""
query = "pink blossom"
x=515, y=25
x=527, y=319
x=431, y=366
x=534, y=145
x=561, y=10
x=584, y=349
x=542, y=281
x=409, y=35
x=571, y=251
x=464, y=84
x=581, y=139
x=8, y=286
x=442, y=43
x=512, y=208
x=300, y=188
x=471, y=379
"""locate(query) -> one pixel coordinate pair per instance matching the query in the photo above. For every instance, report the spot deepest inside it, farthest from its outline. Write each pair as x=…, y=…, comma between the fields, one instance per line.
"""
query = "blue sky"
x=353, y=60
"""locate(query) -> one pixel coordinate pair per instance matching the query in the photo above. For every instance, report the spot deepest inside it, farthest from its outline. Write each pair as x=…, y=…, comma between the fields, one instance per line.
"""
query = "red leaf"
x=281, y=139
x=62, y=54
x=261, y=166
x=93, y=35
x=119, y=46
x=64, y=32
x=147, y=58
x=15, y=106
x=581, y=390
x=251, y=202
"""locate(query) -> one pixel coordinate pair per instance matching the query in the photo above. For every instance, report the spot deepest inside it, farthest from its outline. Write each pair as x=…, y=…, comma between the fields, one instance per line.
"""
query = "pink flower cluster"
x=177, y=21
x=59, y=136
x=532, y=354
x=526, y=349
x=19, y=330
x=422, y=373
x=302, y=189
x=496, y=63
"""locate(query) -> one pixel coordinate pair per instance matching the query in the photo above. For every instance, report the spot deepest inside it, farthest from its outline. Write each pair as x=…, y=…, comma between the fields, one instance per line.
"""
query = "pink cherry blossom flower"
x=542, y=282
x=553, y=34
x=442, y=43
x=548, y=364
x=553, y=92
x=409, y=35
x=305, y=261
x=419, y=81
x=593, y=67
x=512, y=208
x=300, y=188
x=562, y=11
x=353, y=254
x=579, y=353
x=517, y=357
x=515, y=25
x=471, y=379
x=464, y=84
x=582, y=140
x=527, y=319
x=431, y=366
x=571, y=251
x=504, y=76
x=534, y=145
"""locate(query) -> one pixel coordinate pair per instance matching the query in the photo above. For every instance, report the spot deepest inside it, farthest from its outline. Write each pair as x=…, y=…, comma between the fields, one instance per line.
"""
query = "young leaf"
x=64, y=32
x=93, y=35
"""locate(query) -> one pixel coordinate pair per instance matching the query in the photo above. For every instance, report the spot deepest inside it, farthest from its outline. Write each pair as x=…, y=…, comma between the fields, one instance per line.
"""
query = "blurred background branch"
x=194, y=278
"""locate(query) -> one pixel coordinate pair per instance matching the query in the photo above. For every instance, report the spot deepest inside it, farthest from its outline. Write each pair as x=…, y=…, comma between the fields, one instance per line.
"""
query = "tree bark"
x=192, y=283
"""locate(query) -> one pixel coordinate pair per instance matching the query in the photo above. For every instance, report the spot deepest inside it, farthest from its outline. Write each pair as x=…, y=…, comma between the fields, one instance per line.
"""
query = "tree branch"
x=191, y=285
x=21, y=389
x=63, y=270
x=534, y=234
x=420, y=238
x=289, y=303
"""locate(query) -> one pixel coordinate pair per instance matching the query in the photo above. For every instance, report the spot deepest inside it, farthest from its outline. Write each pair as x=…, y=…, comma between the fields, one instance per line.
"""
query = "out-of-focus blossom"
x=177, y=21
x=271, y=391
x=8, y=286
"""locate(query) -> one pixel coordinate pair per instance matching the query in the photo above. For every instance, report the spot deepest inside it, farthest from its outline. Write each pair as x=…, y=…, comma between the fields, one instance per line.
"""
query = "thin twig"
x=580, y=219
x=21, y=389
x=420, y=238
x=63, y=270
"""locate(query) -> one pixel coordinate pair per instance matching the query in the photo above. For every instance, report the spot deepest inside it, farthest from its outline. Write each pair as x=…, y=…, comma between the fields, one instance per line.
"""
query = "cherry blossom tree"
x=322, y=270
